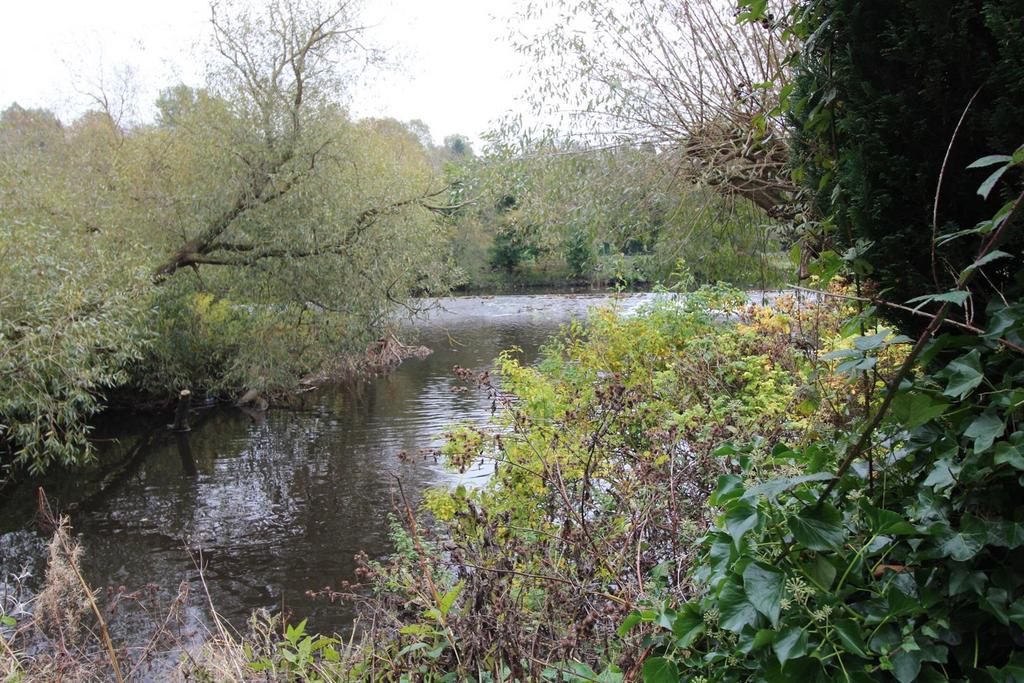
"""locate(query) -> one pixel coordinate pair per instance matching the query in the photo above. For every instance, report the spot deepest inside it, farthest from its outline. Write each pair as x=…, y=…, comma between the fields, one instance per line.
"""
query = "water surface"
x=281, y=502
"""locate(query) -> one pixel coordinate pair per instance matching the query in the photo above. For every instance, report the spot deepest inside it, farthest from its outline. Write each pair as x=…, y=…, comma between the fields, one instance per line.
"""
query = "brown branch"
x=915, y=311
x=893, y=385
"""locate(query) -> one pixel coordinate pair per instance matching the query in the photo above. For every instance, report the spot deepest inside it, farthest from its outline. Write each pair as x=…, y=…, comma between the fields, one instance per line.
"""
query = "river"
x=280, y=502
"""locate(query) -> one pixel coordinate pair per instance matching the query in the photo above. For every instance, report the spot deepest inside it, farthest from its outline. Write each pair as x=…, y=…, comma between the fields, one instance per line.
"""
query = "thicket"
x=892, y=104
x=550, y=211
x=252, y=236
x=882, y=543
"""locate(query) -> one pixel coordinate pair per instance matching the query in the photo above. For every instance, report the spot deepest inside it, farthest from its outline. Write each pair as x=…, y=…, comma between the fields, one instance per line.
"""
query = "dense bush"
x=884, y=93
x=893, y=550
x=66, y=335
x=251, y=237
x=602, y=467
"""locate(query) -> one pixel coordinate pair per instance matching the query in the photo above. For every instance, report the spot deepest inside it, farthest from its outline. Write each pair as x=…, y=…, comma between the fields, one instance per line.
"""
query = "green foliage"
x=511, y=249
x=880, y=94
x=298, y=657
x=253, y=236
x=561, y=211
x=892, y=551
x=906, y=567
x=603, y=458
x=67, y=334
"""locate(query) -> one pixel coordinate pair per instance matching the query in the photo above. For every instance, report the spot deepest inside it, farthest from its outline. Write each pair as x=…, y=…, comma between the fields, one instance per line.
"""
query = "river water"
x=281, y=502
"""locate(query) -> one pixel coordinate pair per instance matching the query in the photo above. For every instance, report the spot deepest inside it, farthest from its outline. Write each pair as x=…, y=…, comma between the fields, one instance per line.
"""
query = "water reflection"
x=281, y=502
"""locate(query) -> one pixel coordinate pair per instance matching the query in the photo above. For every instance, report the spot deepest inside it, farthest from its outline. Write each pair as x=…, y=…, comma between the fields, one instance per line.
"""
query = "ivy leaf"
x=915, y=408
x=906, y=666
x=688, y=626
x=1009, y=454
x=741, y=518
x=887, y=522
x=1005, y=533
x=790, y=645
x=765, y=588
x=720, y=555
x=660, y=670
x=821, y=572
x=985, y=429
x=729, y=487
x=818, y=529
x=964, y=374
x=735, y=610
x=943, y=474
x=849, y=634
x=763, y=637
x=1016, y=612
x=964, y=544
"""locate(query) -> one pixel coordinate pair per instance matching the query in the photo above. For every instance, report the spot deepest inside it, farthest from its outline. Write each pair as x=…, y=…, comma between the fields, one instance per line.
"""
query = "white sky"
x=457, y=73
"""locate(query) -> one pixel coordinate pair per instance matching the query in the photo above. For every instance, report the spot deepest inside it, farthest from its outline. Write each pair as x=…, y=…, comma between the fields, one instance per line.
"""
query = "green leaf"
x=821, y=571
x=818, y=529
x=887, y=522
x=735, y=611
x=870, y=342
x=770, y=489
x=916, y=408
x=964, y=544
x=660, y=670
x=449, y=598
x=1016, y=612
x=729, y=488
x=631, y=620
x=906, y=666
x=985, y=189
x=763, y=637
x=991, y=160
x=964, y=374
x=849, y=634
x=765, y=589
x=957, y=296
x=943, y=474
x=792, y=643
x=741, y=518
x=1007, y=453
x=688, y=626
x=985, y=429
x=987, y=258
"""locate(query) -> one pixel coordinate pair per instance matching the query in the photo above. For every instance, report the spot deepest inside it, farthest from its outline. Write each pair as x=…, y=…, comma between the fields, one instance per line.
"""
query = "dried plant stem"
x=175, y=605
x=225, y=637
x=915, y=311
x=104, y=631
x=11, y=653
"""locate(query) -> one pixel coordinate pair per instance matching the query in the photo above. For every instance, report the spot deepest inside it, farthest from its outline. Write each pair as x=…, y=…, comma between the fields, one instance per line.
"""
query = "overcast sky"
x=457, y=72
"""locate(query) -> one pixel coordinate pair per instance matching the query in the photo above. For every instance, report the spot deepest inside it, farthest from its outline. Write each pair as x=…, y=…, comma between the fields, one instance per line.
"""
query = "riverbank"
x=140, y=529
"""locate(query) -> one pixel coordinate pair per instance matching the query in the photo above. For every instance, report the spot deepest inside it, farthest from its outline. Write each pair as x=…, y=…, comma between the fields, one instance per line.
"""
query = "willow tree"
x=72, y=291
x=311, y=230
x=252, y=236
x=281, y=75
x=686, y=77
